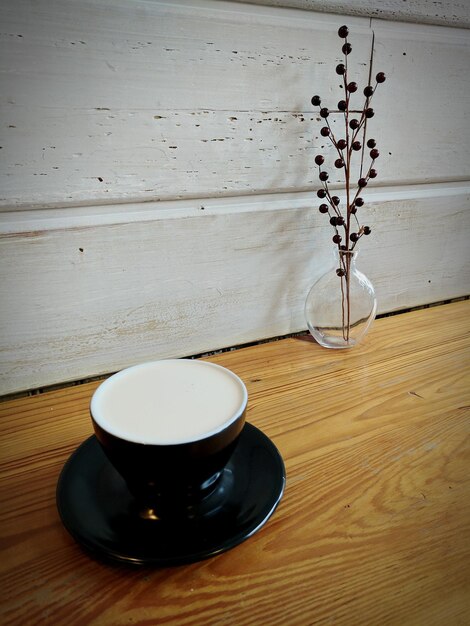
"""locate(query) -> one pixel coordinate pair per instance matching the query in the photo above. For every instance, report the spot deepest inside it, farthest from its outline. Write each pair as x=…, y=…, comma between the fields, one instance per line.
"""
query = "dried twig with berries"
x=348, y=229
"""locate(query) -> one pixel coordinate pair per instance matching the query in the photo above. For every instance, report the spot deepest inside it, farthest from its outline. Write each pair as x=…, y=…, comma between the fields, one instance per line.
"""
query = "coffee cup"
x=169, y=428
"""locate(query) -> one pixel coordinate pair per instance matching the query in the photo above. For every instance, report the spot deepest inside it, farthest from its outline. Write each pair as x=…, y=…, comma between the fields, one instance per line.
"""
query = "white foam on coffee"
x=169, y=402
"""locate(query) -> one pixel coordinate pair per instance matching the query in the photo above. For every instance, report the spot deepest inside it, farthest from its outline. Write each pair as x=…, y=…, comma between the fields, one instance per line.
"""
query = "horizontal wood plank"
x=444, y=12
x=90, y=295
x=115, y=101
x=373, y=527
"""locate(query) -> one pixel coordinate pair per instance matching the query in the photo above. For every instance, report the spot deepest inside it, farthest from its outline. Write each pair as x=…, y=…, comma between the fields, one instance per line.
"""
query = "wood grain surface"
x=374, y=526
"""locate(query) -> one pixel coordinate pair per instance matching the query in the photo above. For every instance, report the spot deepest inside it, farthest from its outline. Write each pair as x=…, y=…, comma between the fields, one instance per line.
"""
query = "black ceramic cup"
x=169, y=428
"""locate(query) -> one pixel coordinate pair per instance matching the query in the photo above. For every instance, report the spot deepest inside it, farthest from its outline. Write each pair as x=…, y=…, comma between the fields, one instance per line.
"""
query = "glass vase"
x=341, y=305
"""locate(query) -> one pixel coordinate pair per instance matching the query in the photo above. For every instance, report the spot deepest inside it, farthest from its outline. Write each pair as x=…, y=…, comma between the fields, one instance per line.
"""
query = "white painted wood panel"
x=88, y=294
x=156, y=181
x=109, y=101
x=442, y=12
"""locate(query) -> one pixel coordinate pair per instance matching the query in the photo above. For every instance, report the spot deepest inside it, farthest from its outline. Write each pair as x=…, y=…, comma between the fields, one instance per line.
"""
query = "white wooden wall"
x=157, y=183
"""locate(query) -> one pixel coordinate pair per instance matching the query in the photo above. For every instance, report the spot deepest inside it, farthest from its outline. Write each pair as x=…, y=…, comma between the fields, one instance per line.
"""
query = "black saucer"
x=99, y=512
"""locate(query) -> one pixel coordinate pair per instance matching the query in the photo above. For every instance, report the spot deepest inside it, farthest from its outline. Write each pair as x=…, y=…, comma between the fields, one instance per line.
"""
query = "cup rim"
x=107, y=427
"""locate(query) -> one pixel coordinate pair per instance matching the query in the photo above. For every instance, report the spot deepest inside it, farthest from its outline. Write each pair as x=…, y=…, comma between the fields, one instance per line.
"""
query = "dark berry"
x=340, y=272
x=352, y=87
x=374, y=154
x=339, y=163
x=323, y=176
x=337, y=239
x=354, y=124
x=367, y=230
x=368, y=91
x=325, y=131
x=353, y=210
x=372, y=173
x=324, y=112
x=316, y=100
x=340, y=221
x=356, y=145
x=371, y=143
x=343, y=32
x=359, y=202
x=335, y=200
x=341, y=144
x=342, y=105
x=333, y=220
x=380, y=78
x=369, y=113
x=353, y=236
x=323, y=208
x=319, y=160
x=321, y=193
x=340, y=69
x=362, y=183
x=347, y=48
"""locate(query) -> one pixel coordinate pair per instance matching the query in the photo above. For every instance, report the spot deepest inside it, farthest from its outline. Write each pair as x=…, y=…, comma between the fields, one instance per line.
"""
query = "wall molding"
x=63, y=218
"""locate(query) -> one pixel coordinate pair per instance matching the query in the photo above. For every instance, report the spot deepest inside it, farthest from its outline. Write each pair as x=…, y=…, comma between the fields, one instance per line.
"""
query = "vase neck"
x=346, y=256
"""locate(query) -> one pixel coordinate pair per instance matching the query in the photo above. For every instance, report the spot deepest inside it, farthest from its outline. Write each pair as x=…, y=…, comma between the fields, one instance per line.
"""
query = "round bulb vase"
x=341, y=305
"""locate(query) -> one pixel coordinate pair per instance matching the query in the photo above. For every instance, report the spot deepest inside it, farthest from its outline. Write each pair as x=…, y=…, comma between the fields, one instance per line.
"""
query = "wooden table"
x=374, y=525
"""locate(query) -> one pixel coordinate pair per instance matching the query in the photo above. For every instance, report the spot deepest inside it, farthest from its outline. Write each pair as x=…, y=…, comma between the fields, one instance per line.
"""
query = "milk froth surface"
x=168, y=402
